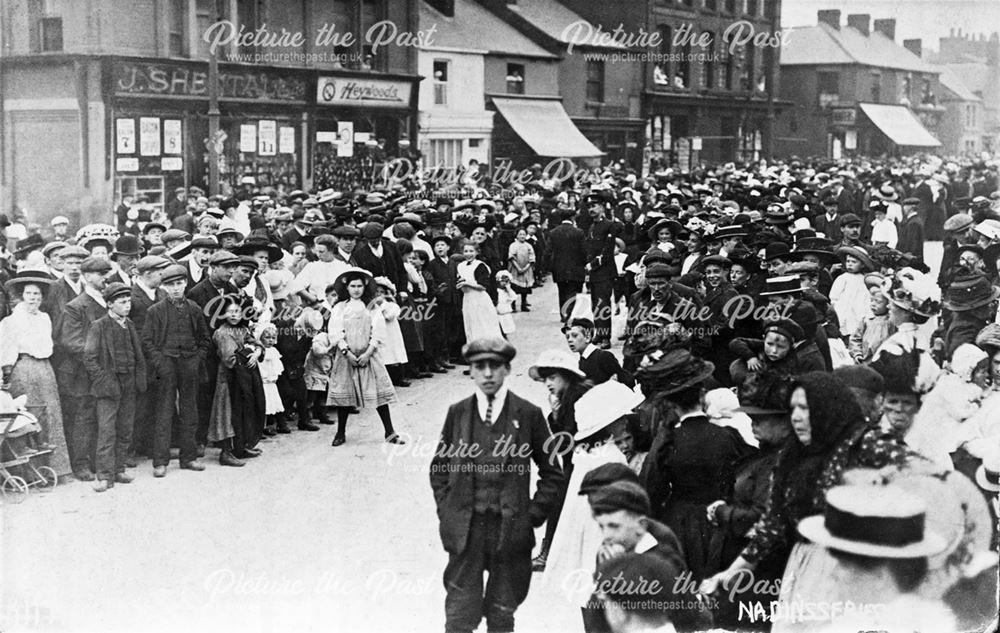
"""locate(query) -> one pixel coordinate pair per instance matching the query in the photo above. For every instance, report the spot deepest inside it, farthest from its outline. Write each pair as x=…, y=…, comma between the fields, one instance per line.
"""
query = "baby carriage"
x=21, y=452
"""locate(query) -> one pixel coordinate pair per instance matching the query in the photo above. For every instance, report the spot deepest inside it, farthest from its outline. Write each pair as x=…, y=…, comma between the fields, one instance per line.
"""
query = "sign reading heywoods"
x=350, y=91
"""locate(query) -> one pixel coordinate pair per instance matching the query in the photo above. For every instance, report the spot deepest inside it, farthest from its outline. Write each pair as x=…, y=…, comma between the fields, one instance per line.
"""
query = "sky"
x=926, y=19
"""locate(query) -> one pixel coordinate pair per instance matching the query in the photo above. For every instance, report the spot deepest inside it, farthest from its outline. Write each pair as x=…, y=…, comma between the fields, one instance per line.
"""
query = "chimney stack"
x=830, y=17
x=860, y=21
x=914, y=46
x=886, y=27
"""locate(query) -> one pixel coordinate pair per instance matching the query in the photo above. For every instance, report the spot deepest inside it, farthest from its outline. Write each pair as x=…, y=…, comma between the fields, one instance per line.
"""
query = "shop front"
x=359, y=123
x=158, y=126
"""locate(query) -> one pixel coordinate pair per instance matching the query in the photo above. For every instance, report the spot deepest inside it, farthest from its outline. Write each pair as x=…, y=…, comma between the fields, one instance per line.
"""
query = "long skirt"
x=689, y=522
x=479, y=316
x=238, y=407
x=368, y=386
x=34, y=377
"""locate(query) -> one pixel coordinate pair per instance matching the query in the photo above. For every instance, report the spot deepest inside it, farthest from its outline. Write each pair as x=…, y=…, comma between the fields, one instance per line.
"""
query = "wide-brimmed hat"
x=254, y=243
x=28, y=244
x=553, y=359
x=873, y=521
x=886, y=192
x=674, y=371
x=968, y=292
x=28, y=276
x=344, y=278
x=783, y=285
x=675, y=228
x=988, y=473
x=601, y=406
x=913, y=291
x=858, y=253
x=819, y=246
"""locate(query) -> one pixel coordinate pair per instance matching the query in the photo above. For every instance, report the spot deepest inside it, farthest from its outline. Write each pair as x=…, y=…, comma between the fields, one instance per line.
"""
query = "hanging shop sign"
x=352, y=91
x=345, y=138
x=127, y=163
x=844, y=116
x=190, y=80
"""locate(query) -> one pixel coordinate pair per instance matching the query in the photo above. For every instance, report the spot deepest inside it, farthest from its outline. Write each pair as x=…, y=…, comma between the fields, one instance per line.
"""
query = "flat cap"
x=371, y=230
x=911, y=201
x=346, y=230
x=95, y=265
x=606, y=474
x=151, y=262
x=658, y=271
x=849, y=219
x=620, y=495
x=246, y=260
x=74, y=251
x=116, y=289
x=203, y=241
x=173, y=273
x=860, y=377
x=171, y=235
x=958, y=222
x=51, y=247
x=223, y=258
x=489, y=348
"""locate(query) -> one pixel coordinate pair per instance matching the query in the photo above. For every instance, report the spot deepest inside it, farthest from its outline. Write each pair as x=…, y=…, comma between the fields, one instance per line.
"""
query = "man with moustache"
x=599, y=246
x=481, y=475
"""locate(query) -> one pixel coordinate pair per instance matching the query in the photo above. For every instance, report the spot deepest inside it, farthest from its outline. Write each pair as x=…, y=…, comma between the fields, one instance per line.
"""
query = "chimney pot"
x=915, y=46
x=830, y=17
x=886, y=27
x=860, y=21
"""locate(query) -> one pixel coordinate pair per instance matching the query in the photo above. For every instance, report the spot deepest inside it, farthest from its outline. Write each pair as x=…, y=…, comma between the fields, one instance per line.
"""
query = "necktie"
x=489, y=411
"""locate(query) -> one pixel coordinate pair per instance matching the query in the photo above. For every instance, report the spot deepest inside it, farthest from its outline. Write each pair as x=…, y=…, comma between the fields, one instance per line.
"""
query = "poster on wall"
x=267, y=138
x=286, y=140
x=125, y=136
x=345, y=138
x=172, y=136
x=127, y=163
x=171, y=163
x=149, y=136
x=248, y=138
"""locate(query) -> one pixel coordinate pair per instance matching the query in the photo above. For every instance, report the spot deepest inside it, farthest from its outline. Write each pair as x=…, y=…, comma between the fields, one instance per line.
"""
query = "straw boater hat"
x=28, y=276
x=554, y=359
x=601, y=406
x=988, y=473
x=873, y=521
x=858, y=253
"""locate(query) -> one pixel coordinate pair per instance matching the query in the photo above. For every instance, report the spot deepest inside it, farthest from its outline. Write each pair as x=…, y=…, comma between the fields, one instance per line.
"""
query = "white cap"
x=59, y=219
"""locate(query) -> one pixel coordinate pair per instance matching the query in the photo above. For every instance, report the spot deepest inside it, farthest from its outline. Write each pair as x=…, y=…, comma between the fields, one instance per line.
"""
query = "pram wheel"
x=14, y=489
x=48, y=477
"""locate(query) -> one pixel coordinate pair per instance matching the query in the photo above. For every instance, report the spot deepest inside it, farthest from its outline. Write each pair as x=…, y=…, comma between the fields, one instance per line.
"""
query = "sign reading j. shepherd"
x=179, y=79
x=350, y=91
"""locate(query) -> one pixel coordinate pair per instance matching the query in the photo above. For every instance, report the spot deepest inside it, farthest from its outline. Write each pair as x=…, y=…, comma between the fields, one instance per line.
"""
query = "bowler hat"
x=127, y=245
x=776, y=250
x=114, y=290
x=153, y=225
x=489, y=348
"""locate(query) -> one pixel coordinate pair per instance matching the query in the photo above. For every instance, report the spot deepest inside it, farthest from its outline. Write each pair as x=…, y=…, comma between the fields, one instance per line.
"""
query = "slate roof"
x=824, y=45
x=475, y=28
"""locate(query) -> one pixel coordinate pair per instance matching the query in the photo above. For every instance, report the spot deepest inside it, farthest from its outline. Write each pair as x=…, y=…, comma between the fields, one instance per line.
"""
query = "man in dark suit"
x=667, y=301
x=380, y=256
x=486, y=514
x=568, y=262
x=79, y=415
x=127, y=251
x=145, y=292
x=300, y=228
x=67, y=288
x=201, y=248
x=911, y=231
x=599, y=245
x=444, y=325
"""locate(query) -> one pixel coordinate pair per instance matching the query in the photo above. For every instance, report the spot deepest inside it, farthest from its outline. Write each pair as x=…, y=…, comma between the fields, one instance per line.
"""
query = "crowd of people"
x=798, y=400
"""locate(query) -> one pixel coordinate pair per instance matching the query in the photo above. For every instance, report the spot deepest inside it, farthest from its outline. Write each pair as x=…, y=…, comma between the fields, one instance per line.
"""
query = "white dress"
x=394, y=351
x=479, y=315
x=573, y=554
x=505, y=308
x=270, y=367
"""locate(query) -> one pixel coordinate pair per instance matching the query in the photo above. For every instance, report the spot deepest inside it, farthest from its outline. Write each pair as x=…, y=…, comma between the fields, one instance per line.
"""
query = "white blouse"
x=24, y=332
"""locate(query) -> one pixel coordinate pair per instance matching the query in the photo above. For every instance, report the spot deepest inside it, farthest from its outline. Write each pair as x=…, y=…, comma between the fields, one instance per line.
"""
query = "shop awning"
x=899, y=124
x=544, y=125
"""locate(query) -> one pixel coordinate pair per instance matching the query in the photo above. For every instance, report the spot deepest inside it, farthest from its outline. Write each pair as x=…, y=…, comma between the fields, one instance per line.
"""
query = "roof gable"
x=822, y=45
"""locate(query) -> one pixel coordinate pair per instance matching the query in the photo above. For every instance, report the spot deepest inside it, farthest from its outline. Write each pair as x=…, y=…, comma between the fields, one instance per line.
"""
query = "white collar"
x=77, y=285
x=646, y=543
x=499, y=399
x=96, y=296
x=150, y=292
x=377, y=250
x=587, y=351
x=691, y=414
x=346, y=256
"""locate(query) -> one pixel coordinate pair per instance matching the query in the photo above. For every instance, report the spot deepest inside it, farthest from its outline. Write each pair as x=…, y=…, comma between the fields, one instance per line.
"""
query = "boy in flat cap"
x=176, y=340
x=145, y=292
x=115, y=363
x=487, y=516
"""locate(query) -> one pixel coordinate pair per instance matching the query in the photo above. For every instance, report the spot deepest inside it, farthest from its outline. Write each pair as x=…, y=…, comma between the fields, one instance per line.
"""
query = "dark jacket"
x=443, y=275
x=78, y=316
x=140, y=305
x=154, y=332
x=208, y=297
x=568, y=257
x=911, y=237
x=389, y=265
x=452, y=482
x=97, y=358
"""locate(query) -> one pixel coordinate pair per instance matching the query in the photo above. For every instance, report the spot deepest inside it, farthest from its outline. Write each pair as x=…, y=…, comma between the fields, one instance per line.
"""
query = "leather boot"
x=228, y=459
x=538, y=562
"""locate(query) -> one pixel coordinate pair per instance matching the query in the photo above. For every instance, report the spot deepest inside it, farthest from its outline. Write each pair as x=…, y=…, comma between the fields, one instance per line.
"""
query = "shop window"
x=50, y=34
x=176, y=20
x=595, y=81
x=150, y=186
x=661, y=71
x=828, y=87
x=515, y=79
x=371, y=12
x=708, y=77
x=904, y=97
x=445, y=153
x=752, y=8
x=441, y=82
x=475, y=142
x=732, y=63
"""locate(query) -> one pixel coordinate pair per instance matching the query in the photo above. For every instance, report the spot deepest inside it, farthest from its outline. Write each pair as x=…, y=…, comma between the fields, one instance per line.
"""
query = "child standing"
x=506, y=298
x=319, y=363
x=883, y=229
x=117, y=368
x=875, y=328
x=237, y=419
x=294, y=344
x=393, y=352
x=521, y=258
x=358, y=377
x=270, y=367
x=849, y=295
x=479, y=315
